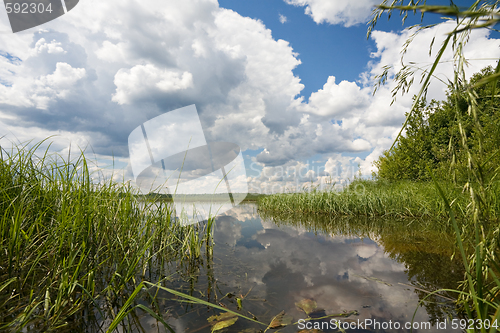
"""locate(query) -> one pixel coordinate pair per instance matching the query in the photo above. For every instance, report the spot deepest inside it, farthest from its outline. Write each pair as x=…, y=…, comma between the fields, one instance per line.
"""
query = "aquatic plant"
x=74, y=250
x=369, y=198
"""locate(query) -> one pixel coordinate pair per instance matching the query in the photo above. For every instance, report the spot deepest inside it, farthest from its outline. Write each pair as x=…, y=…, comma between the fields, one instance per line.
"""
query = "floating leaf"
x=280, y=320
x=345, y=314
x=307, y=305
x=350, y=313
x=223, y=324
x=221, y=321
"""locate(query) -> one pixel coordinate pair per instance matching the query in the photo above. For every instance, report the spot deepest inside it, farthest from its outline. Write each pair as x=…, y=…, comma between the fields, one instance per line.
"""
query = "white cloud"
x=199, y=47
x=297, y=175
x=376, y=122
x=128, y=61
x=269, y=63
x=340, y=168
x=338, y=100
x=64, y=76
x=240, y=78
x=283, y=19
x=143, y=80
x=52, y=48
x=481, y=50
x=380, y=113
x=112, y=52
x=43, y=90
x=360, y=145
x=343, y=12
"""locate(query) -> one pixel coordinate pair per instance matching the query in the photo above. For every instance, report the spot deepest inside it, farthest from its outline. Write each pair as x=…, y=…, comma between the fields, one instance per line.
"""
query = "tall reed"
x=369, y=198
x=74, y=251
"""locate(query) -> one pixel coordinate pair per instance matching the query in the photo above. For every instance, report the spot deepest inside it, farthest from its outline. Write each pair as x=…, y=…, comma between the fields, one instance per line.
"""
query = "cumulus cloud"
x=115, y=73
x=64, y=76
x=296, y=176
x=112, y=52
x=338, y=100
x=45, y=89
x=343, y=12
x=52, y=48
x=480, y=50
x=142, y=80
x=372, y=121
x=381, y=121
x=239, y=77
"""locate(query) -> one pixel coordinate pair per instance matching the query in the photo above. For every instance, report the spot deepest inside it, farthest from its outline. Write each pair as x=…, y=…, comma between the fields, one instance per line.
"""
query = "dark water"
x=377, y=268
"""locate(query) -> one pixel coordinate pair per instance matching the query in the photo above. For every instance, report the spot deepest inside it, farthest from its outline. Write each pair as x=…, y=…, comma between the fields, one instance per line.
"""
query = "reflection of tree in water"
x=424, y=247
x=427, y=258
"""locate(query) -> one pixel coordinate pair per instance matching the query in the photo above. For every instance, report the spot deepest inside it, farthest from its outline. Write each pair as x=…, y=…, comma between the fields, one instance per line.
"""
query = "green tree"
x=433, y=139
x=409, y=157
x=477, y=133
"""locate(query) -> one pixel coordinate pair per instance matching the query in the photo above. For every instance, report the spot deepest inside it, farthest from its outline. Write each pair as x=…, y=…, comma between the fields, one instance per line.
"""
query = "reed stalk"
x=74, y=251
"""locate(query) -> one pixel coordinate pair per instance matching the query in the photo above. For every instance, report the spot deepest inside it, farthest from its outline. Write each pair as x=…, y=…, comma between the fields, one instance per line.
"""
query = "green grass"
x=76, y=253
x=478, y=234
x=477, y=241
x=73, y=251
x=369, y=198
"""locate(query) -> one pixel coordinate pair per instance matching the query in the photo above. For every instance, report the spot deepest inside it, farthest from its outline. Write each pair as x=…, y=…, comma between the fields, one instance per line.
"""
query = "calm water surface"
x=377, y=268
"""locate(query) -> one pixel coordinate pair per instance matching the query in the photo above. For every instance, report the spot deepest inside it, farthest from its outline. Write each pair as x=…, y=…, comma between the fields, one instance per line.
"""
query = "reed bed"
x=73, y=251
x=369, y=198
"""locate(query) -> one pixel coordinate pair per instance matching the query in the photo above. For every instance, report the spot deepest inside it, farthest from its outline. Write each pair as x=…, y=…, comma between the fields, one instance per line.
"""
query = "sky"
x=288, y=81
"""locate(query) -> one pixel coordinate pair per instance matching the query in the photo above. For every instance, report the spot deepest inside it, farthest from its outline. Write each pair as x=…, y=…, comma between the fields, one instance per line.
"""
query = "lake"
x=375, y=271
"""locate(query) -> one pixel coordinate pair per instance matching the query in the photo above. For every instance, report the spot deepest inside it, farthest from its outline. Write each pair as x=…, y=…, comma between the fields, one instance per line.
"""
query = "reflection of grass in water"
x=411, y=233
x=74, y=251
x=217, y=197
x=424, y=247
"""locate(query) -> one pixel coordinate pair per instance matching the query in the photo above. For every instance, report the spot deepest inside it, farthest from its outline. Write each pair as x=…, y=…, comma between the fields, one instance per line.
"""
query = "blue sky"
x=324, y=49
x=289, y=81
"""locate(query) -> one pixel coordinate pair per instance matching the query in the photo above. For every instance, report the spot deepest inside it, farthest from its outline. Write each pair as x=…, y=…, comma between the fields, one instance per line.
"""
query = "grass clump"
x=73, y=251
x=369, y=198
